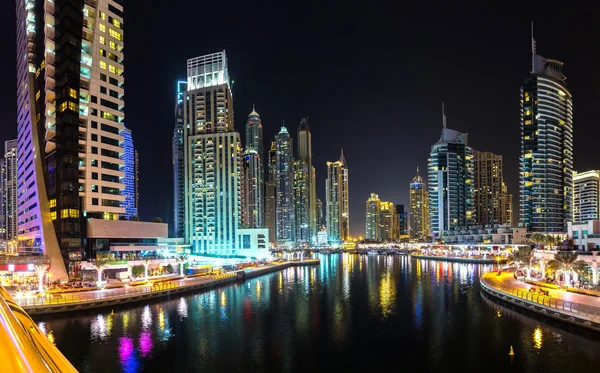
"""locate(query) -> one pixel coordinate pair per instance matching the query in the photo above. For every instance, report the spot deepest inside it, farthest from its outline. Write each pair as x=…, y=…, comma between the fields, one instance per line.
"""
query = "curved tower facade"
x=253, y=213
x=284, y=212
x=419, y=211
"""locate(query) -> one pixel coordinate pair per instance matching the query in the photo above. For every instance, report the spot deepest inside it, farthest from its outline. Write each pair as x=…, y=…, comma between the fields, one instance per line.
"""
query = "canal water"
x=352, y=313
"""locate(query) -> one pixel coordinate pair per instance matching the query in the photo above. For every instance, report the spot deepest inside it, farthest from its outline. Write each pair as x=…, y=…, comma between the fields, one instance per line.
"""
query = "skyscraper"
x=284, y=213
x=402, y=221
x=270, y=194
x=212, y=158
x=507, y=206
x=372, y=221
x=320, y=215
x=2, y=199
x=389, y=224
x=450, y=174
x=70, y=116
x=178, y=163
x=130, y=203
x=305, y=154
x=302, y=175
x=254, y=188
x=546, y=162
x=488, y=188
x=10, y=211
x=345, y=200
x=586, y=196
x=333, y=201
x=419, y=208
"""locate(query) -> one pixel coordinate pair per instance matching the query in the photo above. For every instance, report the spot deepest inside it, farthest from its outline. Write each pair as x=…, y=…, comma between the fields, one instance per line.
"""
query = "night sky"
x=371, y=77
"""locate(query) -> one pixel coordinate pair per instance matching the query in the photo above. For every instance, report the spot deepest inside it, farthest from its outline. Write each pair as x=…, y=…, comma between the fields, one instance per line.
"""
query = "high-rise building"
x=345, y=200
x=320, y=215
x=178, y=163
x=389, y=222
x=301, y=174
x=507, y=206
x=450, y=182
x=270, y=194
x=419, y=208
x=284, y=211
x=130, y=204
x=402, y=229
x=586, y=190
x=304, y=142
x=10, y=201
x=70, y=116
x=372, y=221
x=254, y=175
x=212, y=158
x=333, y=201
x=546, y=162
x=488, y=188
x=2, y=201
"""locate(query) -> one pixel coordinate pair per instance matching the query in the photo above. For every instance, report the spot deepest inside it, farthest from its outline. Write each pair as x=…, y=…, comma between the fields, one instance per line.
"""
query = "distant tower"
x=9, y=195
x=305, y=155
x=586, y=197
x=284, y=214
x=345, y=200
x=372, y=222
x=402, y=221
x=254, y=188
x=302, y=177
x=130, y=180
x=333, y=201
x=507, y=206
x=419, y=208
x=270, y=194
x=488, y=188
x=450, y=174
x=178, y=163
x=546, y=162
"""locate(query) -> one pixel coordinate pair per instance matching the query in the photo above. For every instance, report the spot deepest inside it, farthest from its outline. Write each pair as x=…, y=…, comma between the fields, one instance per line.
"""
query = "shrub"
x=137, y=271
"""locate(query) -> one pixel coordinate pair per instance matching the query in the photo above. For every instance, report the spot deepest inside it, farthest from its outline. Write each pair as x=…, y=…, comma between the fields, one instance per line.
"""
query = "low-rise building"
x=585, y=235
x=501, y=235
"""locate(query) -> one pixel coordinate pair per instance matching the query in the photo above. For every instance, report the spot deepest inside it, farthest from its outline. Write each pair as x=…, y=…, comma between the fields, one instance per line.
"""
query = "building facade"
x=419, y=211
x=178, y=163
x=284, y=209
x=345, y=200
x=402, y=221
x=302, y=175
x=372, y=221
x=212, y=158
x=333, y=201
x=304, y=142
x=450, y=183
x=254, y=175
x=389, y=224
x=130, y=204
x=69, y=123
x=9, y=190
x=546, y=161
x=270, y=194
x=320, y=214
x=507, y=206
x=586, y=195
x=488, y=188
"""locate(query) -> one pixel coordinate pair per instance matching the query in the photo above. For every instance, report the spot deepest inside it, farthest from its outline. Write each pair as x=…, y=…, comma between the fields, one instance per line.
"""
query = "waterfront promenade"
x=559, y=304
x=64, y=302
x=471, y=259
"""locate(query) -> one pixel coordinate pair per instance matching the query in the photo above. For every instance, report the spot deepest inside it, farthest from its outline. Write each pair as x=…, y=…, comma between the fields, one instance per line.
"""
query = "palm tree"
x=181, y=259
x=537, y=239
x=146, y=263
x=522, y=257
x=41, y=271
x=99, y=265
x=567, y=263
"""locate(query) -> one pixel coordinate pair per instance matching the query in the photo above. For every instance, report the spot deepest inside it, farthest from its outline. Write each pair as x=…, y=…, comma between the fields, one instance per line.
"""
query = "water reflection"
x=326, y=318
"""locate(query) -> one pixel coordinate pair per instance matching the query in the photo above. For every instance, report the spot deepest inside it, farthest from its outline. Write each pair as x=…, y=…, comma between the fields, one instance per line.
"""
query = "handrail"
x=544, y=300
x=25, y=348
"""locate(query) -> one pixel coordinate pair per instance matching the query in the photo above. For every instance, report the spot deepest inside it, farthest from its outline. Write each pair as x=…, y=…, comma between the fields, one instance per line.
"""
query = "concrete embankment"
x=554, y=307
x=111, y=298
x=460, y=259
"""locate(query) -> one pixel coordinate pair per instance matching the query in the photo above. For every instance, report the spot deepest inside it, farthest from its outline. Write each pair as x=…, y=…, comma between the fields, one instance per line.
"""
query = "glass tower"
x=305, y=155
x=254, y=188
x=270, y=194
x=130, y=204
x=284, y=214
x=178, y=163
x=419, y=208
x=546, y=162
x=372, y=222
x=9, y=190
x=586, y=196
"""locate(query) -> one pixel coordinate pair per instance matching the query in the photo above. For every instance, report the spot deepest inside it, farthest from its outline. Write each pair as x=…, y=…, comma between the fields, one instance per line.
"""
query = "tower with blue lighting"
x=130, y=167
x=178, y=164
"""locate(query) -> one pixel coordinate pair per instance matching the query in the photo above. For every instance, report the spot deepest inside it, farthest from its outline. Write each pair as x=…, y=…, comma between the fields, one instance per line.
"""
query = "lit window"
x=103, y=65
x=37, y=95
x=102, y=40
x=116, y=23
x=53, y=215
x=52, y=203
x=63, y=107
x=73, y=106
x=102, y=52
x=112, y=69
x=72, y=93
x=102, y=15
x=112, y=44
x=102, y=27
x=114, y=34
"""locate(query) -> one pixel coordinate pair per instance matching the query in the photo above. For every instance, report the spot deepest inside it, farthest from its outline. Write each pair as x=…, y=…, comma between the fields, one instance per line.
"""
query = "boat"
x=372, y=253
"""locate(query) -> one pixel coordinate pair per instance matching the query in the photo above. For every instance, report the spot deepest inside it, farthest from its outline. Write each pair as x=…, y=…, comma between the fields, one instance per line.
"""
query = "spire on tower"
x=443, y=116
x=417, y=170
x=533, y=50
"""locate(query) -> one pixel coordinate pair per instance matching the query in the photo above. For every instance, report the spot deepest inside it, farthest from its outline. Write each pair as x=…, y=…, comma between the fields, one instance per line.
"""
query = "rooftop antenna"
x=443, y=116
x=253, y=108
x=417, y=171
x=532, y=50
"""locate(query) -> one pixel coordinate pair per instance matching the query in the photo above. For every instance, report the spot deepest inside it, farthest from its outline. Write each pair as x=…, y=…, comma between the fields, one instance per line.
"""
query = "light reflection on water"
x=325, y=318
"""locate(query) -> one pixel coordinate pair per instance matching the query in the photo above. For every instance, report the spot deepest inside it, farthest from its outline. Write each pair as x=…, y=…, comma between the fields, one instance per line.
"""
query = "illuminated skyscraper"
x=402, y=221
x=212, y=159
x=2, y=199
x=419, y=211
x=254, y=188
x=301, y=201
x=284, y=214
x=372, y=222
x=130, y=204
x=70, y=116
x=320, y=215
x=270, y=194
x=345, y=200
x=333, y=201
x=389, y=222
x=305, y=154
x=586, y=197
x=488, y=188
x=450, y=182
x=9, y=195
x=178, y=163
x=507, y=206
x=546, y=163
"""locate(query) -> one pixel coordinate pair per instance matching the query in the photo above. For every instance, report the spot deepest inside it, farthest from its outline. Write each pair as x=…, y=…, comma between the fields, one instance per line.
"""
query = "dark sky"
x=371, y=76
